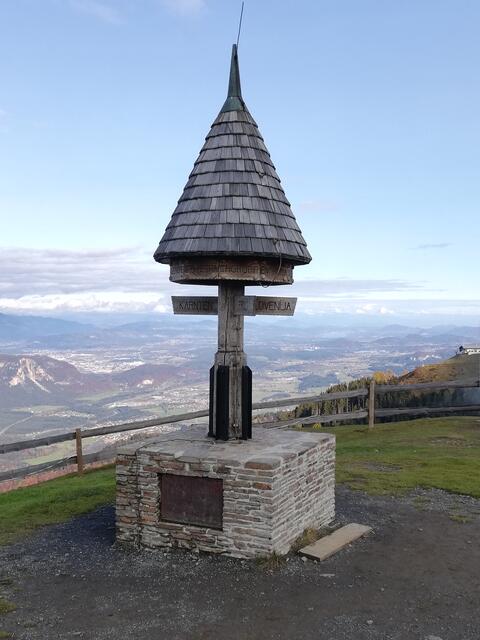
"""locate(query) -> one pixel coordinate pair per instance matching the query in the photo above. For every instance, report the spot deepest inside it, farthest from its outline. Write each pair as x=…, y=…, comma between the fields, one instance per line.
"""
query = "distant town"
x=70, y=375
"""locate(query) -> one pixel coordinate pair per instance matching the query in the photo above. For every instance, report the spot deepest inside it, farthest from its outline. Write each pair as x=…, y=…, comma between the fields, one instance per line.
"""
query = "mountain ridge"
x=36, y=379
x=17, y=327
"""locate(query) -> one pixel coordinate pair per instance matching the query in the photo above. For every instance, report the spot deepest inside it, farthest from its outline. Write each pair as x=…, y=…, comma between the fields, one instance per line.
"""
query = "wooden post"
x=371, y=404
x=78, y=442
x=230, y=395
x=230, y=358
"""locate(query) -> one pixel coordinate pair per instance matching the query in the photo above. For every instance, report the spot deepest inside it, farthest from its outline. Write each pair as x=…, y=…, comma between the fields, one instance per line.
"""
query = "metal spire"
x=234, y=101
x=240, y=24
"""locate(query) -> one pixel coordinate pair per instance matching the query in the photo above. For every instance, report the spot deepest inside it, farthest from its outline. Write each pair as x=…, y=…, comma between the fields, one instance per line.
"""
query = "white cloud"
x=438, y=245
x=316, y=290
x=451, y=310
x=127, y=279
x=319, y=306
x=26, y=271
x=99, y=10
x=101, y=302
x=373, y=309
x=50, y=281
x=184, y=7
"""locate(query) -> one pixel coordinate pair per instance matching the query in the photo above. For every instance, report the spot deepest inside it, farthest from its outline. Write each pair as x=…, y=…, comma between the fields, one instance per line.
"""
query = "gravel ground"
x=416, y=577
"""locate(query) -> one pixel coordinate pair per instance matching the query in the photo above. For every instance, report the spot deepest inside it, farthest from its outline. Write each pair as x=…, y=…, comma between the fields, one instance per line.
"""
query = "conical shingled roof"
x=233, y=204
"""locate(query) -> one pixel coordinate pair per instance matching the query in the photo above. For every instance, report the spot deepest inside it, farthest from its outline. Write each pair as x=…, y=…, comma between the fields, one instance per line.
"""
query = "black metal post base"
x=219, y=406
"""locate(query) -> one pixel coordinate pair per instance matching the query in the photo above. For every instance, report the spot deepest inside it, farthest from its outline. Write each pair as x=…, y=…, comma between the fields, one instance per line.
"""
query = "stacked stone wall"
x=270, y=495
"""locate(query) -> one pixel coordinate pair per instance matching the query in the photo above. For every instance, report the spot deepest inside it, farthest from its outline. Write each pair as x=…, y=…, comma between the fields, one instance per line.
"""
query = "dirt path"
x=417, y=577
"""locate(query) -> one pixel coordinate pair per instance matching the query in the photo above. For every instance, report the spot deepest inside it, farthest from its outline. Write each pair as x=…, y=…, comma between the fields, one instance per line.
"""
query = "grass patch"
x=54, y=501
x=420, y=503
x=309, y=536
x=6, y=606
x=55, y=452
x=271, y=562
x=5, y=634
x=392, y=458
x=461, y=519
x=396, y=457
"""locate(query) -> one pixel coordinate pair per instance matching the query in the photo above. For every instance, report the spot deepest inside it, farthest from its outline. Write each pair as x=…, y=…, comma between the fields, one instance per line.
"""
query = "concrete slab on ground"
x=327, y=546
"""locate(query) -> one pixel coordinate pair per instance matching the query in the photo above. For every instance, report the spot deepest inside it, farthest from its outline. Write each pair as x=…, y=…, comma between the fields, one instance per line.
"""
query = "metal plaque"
x=195, y=305
x=192, y=500
x=265, y=306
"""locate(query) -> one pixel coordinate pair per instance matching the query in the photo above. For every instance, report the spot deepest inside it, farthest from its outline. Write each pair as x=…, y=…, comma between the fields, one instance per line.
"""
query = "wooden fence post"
x=78, y=442
x=371, y=404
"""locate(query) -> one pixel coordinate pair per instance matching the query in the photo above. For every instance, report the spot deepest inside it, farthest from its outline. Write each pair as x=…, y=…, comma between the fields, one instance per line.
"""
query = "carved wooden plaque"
x=244, y=305
x=265, y=306
x=195, y=305
x=211, y=271
x=192, y=500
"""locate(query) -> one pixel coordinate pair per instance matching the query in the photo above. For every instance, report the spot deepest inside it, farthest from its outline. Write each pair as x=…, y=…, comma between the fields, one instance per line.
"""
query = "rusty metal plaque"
x=191, y=500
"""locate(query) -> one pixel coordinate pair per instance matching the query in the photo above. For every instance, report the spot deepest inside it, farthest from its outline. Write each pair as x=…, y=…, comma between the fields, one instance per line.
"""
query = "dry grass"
x=271, y=562
x=309, y=536
x=461, y=519
x=6, y=606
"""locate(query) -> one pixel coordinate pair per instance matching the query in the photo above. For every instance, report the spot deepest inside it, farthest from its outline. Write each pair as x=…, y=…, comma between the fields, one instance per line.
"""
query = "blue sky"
x=370, y=110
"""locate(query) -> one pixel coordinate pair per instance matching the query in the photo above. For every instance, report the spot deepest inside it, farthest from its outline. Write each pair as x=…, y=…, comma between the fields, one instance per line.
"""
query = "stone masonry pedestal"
x=239, y=498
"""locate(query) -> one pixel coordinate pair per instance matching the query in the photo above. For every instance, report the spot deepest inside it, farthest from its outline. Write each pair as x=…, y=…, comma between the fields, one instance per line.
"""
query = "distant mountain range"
x=57, y=374
x=14, y=327
x=37, y=332
x=29, y=380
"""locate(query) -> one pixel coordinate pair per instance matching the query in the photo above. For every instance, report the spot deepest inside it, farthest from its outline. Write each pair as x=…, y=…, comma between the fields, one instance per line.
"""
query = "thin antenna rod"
x=240, y=24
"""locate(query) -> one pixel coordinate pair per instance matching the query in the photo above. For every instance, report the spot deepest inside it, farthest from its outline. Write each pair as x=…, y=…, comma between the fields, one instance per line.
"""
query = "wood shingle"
x=233, y=204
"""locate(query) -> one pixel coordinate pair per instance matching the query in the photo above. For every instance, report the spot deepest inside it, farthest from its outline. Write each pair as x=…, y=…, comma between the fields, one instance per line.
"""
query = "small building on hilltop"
x=473, y=350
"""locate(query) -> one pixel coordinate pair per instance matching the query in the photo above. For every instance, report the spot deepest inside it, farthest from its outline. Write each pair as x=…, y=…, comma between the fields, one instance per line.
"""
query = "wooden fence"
x=370, y=413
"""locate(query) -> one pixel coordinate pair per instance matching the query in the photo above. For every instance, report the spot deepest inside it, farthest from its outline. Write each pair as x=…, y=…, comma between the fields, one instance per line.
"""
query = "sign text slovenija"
x=265, y=306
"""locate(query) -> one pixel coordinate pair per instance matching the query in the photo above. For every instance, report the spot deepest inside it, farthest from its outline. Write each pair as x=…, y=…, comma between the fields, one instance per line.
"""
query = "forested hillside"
x=460, y=367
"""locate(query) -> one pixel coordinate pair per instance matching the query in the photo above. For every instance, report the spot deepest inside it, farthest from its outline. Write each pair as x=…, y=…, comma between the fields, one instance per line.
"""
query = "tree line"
x=384, y=400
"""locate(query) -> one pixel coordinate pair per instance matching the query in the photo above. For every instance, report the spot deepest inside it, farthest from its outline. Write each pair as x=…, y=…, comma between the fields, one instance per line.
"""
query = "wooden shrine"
x=232, y=227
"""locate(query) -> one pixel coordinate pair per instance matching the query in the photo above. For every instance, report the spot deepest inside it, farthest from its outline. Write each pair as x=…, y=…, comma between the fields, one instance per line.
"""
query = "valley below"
x=93, y=376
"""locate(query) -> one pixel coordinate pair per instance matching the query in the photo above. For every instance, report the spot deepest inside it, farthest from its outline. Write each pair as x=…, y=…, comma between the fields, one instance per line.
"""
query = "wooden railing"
x=370, y=412
x=79, y=459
